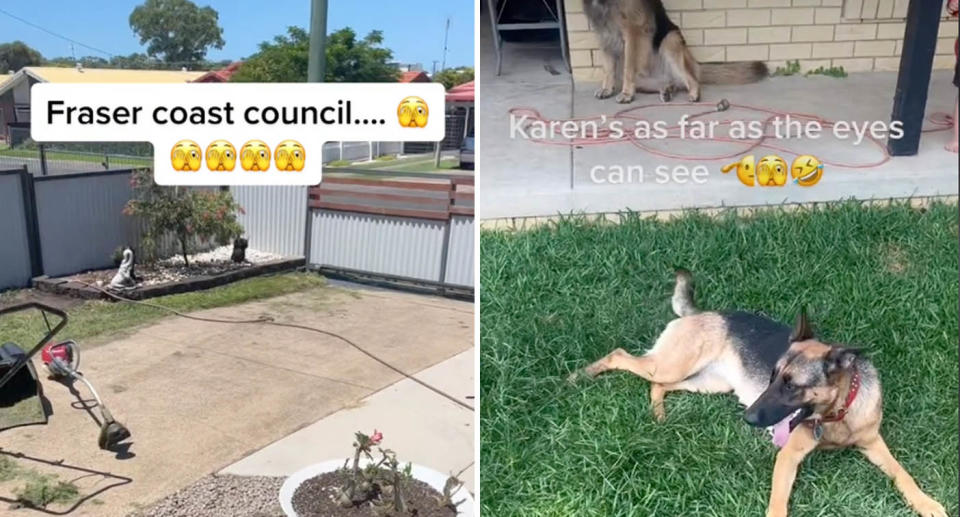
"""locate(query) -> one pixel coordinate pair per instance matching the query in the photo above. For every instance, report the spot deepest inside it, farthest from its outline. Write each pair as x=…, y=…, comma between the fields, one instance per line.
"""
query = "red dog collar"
x=842, y=412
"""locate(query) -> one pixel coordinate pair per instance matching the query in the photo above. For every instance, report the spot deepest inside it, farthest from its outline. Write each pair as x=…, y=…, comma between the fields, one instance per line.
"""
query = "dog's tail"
x=682, y=300
x=740, y=72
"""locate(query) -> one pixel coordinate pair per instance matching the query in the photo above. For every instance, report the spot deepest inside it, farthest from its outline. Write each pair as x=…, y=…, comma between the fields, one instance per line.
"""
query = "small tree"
x=184, y=213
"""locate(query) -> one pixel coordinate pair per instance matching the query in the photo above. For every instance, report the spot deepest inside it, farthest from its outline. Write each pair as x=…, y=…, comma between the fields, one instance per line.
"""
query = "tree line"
x=178, y=34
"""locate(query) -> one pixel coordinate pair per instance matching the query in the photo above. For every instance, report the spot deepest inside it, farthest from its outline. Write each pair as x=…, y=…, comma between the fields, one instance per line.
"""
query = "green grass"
x=100, y=319
x=77, y=157
x=419, y=163
x=37, y=490
x=556, y=298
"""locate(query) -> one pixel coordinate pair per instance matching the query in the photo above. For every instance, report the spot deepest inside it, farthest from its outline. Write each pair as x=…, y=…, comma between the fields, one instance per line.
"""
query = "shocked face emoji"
x=221, y=156
x=289, y=156
x=413, y=112
x=255, y=156
x=185, y=156
x=771, y=171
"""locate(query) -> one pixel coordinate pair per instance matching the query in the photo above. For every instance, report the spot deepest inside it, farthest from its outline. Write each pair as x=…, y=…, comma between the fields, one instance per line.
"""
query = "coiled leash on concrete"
x=265, y=320
x=603, y=136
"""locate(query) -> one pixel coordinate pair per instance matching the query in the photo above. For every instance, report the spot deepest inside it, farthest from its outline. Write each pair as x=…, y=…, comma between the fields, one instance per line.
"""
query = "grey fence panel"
x=14, y=248
x=81, y=221
x=385, y=245
x=460, y=253
x=275, y=217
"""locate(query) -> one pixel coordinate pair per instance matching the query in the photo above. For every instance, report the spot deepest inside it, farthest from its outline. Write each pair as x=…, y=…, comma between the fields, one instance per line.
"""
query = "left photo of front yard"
x=242, y=351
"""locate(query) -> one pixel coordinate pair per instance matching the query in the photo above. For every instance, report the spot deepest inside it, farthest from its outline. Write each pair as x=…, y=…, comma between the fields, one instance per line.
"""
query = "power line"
x=35, y=26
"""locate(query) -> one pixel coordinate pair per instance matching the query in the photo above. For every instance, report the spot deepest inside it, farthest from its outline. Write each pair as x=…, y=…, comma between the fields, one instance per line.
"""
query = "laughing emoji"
x=255, y=156
x=413, y=112
x=806, y=170
x=221, y=156
x=185, y=156
x=771, y=171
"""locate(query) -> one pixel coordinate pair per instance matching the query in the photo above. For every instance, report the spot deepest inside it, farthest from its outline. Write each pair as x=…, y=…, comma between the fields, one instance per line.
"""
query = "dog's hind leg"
x=702, y=382
x=681, y=65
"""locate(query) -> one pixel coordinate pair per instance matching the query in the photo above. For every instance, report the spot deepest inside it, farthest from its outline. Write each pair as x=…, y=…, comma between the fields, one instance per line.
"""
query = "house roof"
x=53, y=74
x=461, y=93
x=414, y=77
x=219, y=76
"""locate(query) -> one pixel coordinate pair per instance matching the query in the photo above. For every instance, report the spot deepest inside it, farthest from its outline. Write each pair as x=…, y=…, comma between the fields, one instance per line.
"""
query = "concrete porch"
x=521, y=178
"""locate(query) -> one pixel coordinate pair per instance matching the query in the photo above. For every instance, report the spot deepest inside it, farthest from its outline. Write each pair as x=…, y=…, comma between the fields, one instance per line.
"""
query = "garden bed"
x=171, y=276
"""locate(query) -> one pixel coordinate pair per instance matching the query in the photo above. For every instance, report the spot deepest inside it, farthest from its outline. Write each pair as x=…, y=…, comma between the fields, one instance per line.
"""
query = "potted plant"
x=373, y=483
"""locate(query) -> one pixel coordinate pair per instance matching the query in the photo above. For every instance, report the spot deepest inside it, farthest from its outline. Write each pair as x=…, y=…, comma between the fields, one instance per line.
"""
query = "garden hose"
x=265, y=320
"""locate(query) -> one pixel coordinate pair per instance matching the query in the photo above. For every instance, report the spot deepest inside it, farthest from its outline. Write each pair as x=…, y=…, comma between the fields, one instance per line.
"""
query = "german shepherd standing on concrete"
x=655, y=57
x=818, y=396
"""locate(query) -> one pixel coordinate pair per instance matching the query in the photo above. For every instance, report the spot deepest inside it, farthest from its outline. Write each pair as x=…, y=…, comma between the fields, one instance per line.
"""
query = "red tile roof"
x=414, y=77
x=220, y=76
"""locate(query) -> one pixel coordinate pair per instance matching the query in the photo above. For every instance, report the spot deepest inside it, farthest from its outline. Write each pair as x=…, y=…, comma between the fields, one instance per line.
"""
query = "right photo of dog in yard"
x=812, y=370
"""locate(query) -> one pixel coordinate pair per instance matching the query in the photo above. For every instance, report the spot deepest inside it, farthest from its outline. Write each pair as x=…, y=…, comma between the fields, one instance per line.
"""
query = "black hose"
x=269, y=321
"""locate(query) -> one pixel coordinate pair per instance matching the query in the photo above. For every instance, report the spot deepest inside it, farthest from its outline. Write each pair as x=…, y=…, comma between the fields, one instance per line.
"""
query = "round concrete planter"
x=427, y=475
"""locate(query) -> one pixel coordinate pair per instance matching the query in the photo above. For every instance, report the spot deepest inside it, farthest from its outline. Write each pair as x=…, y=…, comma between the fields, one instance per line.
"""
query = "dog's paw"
x=574, y=377
x=666, y=95
x=927, y=507
x=603, y=93
x=625, y=98
x=694, y=97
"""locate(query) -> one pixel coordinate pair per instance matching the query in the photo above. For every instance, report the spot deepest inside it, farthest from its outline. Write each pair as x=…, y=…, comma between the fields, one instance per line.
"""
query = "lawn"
x=115, y=160
x=98, y=320
x=556, y=298
x=417, y=163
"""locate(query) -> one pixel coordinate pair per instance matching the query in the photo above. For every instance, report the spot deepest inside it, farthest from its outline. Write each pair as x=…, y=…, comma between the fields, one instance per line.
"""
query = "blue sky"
x=413, y=29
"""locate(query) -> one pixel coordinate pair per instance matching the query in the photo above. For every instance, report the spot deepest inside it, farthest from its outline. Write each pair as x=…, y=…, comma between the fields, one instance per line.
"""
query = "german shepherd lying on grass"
x=653, y=53
x=818, y=395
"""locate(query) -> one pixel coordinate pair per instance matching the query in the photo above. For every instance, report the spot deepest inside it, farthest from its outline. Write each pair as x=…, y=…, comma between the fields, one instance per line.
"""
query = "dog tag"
x=817, y=431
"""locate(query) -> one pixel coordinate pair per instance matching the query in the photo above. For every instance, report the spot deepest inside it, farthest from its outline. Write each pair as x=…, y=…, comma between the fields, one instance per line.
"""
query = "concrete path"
x=421, y=426
x=200, y=396
x=525, y=179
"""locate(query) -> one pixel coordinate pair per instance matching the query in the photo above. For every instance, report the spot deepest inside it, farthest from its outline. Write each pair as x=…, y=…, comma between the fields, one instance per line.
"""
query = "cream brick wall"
x=816, y=32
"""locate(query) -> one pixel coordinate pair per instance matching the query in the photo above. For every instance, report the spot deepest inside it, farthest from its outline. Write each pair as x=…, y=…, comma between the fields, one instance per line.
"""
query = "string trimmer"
x=19, y=385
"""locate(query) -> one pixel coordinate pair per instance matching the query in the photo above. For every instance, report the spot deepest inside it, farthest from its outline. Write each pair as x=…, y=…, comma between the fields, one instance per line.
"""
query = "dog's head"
x=240, y=243
x=805, y=381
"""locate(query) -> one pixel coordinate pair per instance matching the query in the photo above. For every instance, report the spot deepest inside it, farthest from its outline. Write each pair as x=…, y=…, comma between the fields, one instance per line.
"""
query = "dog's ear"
x=840, y=358
x=802, y=330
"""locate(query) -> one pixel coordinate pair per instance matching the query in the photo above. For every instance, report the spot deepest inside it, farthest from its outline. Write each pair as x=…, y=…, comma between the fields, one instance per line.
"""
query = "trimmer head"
x=111, y=434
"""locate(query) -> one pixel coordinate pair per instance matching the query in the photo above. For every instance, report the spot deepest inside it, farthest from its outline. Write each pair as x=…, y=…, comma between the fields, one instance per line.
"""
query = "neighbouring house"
x=460, y=100
x=220, y=76
x=414, y=76
x=15, y=90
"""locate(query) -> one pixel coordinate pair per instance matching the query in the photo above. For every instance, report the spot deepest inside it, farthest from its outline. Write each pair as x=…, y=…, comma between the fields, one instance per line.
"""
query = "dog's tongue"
x=781, y=431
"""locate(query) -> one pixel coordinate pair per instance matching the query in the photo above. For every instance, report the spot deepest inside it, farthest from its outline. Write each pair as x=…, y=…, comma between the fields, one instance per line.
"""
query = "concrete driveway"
x=201, y=396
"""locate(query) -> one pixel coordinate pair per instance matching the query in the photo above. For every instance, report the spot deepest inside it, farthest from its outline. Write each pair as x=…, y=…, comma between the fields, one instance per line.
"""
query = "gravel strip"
x=221, y=496
x=221, y=254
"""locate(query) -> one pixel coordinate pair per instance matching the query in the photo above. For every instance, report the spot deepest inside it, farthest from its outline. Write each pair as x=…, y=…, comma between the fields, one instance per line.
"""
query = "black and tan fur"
x=639, y=35
x=778, y=374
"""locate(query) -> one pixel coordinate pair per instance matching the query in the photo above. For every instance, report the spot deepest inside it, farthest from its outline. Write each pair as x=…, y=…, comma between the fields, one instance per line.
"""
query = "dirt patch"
x=894, y=259
x=317, y=497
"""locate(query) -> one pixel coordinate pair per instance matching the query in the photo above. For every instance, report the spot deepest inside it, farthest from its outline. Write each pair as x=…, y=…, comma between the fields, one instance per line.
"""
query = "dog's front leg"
x=875, y=449
x=636, y=57
x=800, y=443
x=609, y=62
